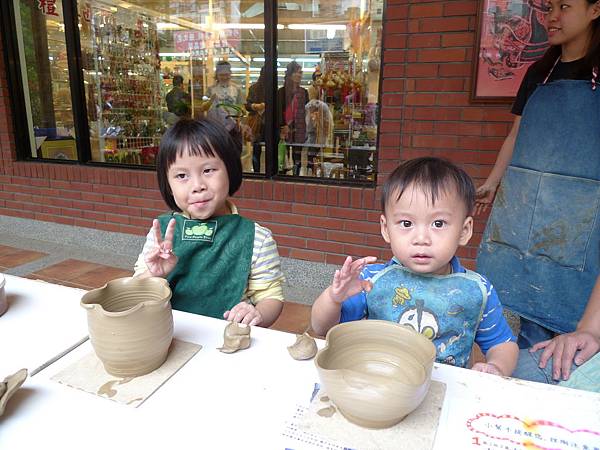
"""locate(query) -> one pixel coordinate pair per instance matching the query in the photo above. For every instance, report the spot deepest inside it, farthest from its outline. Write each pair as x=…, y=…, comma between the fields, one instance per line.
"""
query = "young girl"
x=542, y=242
x=218, y=263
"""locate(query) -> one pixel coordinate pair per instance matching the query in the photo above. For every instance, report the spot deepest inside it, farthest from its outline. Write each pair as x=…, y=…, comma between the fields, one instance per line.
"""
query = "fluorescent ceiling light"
x=307, y=60
x=240, y=26
x=315, y=26
x=243, y=26
x=182, y=55
x=168, y=26
x=305, y=69
x=243, y=69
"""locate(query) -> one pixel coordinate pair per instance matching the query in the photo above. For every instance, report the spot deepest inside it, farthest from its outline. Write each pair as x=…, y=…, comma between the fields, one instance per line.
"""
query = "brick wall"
x=428, y=56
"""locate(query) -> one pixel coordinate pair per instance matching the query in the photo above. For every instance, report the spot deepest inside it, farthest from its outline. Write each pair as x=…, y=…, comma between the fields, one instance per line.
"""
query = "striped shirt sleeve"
x=265, y=279
x=493, y=328
x=140, y=265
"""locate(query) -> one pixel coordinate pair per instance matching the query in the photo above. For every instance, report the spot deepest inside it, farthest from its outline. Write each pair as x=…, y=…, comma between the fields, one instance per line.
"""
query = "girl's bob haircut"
x=201, y=137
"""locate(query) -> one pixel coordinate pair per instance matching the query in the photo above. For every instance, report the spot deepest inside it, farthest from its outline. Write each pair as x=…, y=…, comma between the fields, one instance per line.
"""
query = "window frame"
x=8, y=34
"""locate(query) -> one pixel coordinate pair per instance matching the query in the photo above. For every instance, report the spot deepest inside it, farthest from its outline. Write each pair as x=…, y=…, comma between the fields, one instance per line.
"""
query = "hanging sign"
x=48, y=7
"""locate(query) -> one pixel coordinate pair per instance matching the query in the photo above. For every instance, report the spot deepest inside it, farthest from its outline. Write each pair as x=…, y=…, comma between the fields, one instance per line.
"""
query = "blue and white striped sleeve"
x=493, y=328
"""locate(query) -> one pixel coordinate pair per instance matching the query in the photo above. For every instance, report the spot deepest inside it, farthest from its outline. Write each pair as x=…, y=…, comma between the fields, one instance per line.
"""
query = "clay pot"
x=376, y=372
x=130, y=324
x=3, y=301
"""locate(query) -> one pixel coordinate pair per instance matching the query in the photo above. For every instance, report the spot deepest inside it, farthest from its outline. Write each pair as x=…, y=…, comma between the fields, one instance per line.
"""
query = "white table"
x=42, y=320
x=243, y=400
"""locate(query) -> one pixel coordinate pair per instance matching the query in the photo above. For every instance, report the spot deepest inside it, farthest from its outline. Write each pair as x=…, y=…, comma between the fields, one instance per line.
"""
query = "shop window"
x=141, y=66
x=147, y=65
x=45, y=73
x=329, y=79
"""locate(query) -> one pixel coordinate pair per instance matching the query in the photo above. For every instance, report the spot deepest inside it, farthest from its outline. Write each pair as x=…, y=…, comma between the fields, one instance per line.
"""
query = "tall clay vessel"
x=130, y=322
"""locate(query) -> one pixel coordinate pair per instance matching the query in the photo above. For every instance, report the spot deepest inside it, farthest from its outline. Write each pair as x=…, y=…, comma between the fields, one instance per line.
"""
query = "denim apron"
x=541, y=246
x=446, y=309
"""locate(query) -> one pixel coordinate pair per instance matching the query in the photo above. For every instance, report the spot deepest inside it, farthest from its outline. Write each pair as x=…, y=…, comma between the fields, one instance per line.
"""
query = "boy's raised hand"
x=346, y=281
x=161, y=260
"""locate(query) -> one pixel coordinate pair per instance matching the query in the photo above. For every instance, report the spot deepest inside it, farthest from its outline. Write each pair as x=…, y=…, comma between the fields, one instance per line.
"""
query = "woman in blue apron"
x=541, y=246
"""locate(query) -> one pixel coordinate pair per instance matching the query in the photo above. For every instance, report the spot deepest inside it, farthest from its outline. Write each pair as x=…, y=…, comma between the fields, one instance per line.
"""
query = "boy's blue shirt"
x=492, y=330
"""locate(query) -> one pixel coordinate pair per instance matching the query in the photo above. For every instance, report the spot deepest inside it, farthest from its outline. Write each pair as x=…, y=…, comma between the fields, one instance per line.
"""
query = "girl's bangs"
x=197, y=145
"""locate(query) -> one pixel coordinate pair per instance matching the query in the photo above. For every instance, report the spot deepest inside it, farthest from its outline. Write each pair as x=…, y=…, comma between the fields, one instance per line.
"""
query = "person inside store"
x=314, y=89
x=255, y=105
x=226, y=97
x=218, y=263
x=178, y=99
x=291, y=114
x=319, y=132
x=427, y=206
x=541, y=245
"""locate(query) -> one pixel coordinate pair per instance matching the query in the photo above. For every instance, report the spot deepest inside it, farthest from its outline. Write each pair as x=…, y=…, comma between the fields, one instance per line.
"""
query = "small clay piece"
x=9, y=386
x=326, y=412
x=236, y=337
x=305, y=347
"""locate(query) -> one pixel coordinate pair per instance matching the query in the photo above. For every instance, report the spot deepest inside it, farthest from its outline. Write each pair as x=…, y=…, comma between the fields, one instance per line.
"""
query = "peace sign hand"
x=161, y=260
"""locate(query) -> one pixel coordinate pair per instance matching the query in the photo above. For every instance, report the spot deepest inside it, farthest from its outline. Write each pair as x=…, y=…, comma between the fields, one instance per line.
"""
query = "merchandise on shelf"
x=122, y=68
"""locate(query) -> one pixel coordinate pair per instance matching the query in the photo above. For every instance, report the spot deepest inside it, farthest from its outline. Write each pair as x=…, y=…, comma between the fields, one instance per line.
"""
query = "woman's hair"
x=202, y=137
x=592, y=56
x=259, y=85
x=288, y=85
x=434, y=177
x=223, y=67
x=323, y=128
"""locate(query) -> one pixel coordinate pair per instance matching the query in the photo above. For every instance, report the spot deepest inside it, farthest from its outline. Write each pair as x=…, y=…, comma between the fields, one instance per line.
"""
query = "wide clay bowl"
x=130, y=322
x=3, y=301
x=376, y=372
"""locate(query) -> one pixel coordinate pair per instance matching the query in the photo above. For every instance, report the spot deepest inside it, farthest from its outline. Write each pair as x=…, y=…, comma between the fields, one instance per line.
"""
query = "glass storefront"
x=328, y=61
x=47, y=85
x=147, y=63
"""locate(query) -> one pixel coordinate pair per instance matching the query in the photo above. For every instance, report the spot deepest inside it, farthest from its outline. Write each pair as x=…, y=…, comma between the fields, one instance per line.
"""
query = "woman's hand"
x=566, y=349
x=244, y=313
x=284, y=132
x=484, y=196
x=161, y=260
x=346, y=281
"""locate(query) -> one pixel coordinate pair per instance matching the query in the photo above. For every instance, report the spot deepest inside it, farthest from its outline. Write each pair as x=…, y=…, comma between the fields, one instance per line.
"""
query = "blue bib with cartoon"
x=445, y=308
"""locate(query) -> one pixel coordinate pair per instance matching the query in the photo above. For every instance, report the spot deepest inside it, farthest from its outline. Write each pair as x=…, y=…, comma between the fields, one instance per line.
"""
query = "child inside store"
x=217, y=262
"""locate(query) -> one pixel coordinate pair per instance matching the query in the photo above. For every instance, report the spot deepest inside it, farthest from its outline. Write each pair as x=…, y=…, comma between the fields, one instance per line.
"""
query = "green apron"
x=214, y=262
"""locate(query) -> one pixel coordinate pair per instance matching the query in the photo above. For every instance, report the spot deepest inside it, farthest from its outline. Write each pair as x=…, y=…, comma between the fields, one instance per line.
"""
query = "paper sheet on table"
x=88, y=374
x=417, y=430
